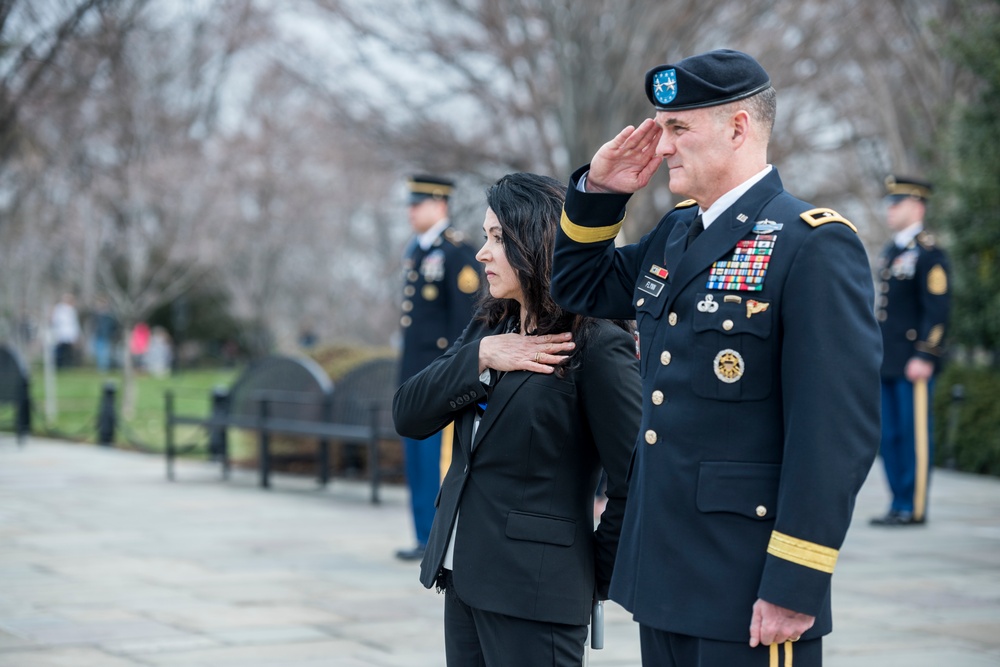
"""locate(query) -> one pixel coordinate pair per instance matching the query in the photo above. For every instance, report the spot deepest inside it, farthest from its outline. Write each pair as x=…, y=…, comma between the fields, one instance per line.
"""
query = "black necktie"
x=696, y=228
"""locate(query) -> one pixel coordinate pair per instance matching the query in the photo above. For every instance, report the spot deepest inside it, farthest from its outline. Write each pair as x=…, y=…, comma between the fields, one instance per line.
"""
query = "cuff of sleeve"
x=797, y=577
x=586, y=214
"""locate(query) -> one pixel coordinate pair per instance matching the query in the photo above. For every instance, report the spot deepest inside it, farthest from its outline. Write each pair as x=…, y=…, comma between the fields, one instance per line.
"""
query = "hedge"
x=967, y=432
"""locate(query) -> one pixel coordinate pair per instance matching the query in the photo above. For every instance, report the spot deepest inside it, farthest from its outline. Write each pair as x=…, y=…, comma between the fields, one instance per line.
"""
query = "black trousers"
x=669, y=649
x=477, y=638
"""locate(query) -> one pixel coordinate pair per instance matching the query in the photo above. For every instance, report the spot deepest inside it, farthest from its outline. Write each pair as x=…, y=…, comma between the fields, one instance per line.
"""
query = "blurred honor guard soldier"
x=912, y=309
x=759, y=357
x=441, y=283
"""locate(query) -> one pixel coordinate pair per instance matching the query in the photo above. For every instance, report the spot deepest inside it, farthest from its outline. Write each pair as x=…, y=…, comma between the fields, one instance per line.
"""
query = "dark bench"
x=14, y=389
x=294, y=397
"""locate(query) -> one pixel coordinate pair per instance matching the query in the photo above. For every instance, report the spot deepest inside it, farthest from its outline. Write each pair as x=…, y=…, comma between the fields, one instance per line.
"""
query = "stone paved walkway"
x=105, y=564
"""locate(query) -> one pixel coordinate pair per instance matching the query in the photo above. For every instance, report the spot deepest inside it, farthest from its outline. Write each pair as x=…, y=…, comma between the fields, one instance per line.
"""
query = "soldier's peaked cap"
x=706, y=80
x=429, y=187
x=900, y=187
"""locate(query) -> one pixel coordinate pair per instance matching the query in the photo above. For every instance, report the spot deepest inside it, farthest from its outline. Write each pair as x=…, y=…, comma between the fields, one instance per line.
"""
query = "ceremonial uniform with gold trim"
x=759, y=357
x=440, y=287
x=912, y=308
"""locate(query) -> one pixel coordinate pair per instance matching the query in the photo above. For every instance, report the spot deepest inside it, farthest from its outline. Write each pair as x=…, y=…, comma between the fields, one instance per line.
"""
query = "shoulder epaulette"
x=454, y=236
x=927, y=240
x=687, y=203
x=820, y=216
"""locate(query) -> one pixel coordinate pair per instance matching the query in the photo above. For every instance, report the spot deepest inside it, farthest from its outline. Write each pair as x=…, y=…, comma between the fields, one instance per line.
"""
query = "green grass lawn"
x=78, y=396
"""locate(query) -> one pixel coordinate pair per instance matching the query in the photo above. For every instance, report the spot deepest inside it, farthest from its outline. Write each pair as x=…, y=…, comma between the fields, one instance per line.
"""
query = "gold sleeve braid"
x=802, y=552
x=582, y=234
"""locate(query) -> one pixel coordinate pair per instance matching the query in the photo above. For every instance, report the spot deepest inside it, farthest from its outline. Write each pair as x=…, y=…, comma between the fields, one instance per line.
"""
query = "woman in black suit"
x=542, y=399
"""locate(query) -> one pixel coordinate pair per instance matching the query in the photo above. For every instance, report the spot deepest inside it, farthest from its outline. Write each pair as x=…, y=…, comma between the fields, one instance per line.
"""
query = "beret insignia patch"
x=665, y=86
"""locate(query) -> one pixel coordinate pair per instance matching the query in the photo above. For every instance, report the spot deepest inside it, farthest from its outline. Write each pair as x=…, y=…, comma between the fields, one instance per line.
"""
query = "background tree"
x=970, y=180
x=262, y=147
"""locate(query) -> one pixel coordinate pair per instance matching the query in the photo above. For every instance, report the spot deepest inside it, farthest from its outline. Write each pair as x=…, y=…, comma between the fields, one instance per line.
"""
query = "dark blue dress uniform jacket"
x=440, y=288
x=912, y=303
x=760, y=408
x=526, y=544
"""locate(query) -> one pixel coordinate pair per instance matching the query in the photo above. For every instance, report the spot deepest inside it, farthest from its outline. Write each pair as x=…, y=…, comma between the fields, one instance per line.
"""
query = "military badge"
x=659, y=271
x=432, y=267
x=665, y=86
x=728, y=366
x=754, y=307
x=766, y=227
x=905, y=265
x=746, y=269
x=708, y=304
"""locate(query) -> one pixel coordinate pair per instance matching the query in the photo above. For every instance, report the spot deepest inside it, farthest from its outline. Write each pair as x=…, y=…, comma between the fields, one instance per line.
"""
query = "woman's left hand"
x=514, y=352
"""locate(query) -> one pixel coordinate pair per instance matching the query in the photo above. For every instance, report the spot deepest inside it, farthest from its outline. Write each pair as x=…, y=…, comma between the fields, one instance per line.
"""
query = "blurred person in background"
x=441, y=281
x=65, y=327
x=912, y=310
x=105, y=329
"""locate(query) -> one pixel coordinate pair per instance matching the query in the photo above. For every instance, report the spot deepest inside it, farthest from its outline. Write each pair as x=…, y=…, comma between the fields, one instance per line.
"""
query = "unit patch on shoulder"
x=820, y=216
x=468, y=280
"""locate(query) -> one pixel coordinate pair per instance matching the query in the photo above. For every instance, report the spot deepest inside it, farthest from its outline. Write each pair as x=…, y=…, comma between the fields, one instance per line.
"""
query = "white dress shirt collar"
x=427, y=239
x=728, y=199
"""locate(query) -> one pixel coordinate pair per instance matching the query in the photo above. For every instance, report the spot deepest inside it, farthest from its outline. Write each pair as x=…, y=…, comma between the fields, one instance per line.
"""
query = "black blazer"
x=526, y=544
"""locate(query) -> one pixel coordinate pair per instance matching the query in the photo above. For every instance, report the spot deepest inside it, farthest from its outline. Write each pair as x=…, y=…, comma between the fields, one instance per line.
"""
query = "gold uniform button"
x=405, y=320
x=911, y=334
x=727, y=325
x=665, y=357
x=657, y=397
x=412, y=276
x=880, y=315
x=651, y=437
x=409, y=290
x=883, y=301
x=407, y=306
x=672, y=319
x=640, y=302
x=442, y=343
x=761, y=511
x=883, y=287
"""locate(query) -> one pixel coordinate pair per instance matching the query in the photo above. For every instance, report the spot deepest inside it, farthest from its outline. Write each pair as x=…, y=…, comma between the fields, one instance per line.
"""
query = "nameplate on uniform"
x=651, y=286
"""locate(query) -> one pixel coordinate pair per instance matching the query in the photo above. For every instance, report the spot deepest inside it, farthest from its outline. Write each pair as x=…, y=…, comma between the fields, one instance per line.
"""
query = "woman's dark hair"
x=529, y=207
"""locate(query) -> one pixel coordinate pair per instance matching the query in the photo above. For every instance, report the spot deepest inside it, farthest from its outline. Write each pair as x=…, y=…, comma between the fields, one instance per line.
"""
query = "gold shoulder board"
x=926, y=240
x=820, y=216
x=687, y=203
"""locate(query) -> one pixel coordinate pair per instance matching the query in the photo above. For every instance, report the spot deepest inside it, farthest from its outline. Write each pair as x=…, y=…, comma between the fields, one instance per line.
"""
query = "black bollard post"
x=106, y=417
x=217, y=441
x=954, y=414
x=23, y=408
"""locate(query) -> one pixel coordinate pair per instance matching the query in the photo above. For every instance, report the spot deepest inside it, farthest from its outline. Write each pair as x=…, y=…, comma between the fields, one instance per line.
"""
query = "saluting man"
x=759, y=355
x=912, y=309
x=440, y=287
